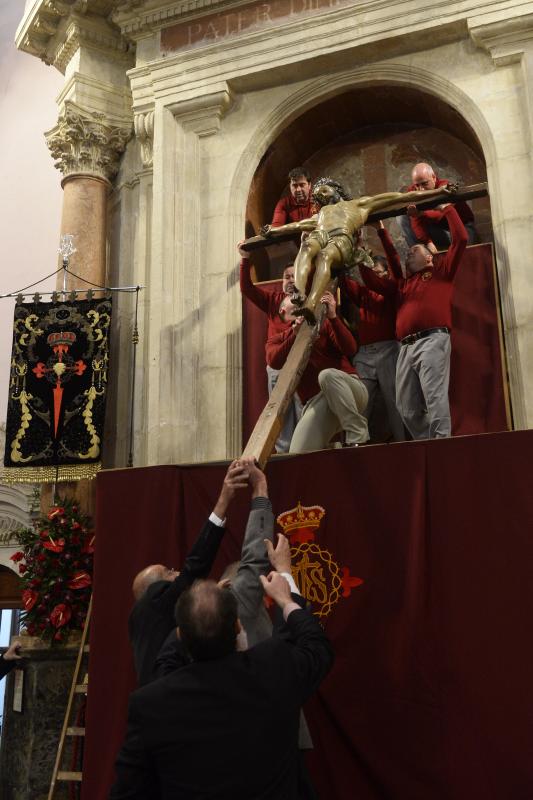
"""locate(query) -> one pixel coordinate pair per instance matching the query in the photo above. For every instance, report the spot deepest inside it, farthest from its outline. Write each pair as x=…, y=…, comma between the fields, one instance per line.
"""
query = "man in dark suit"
x=157, y=588
x=226, y=725
x=241, y=577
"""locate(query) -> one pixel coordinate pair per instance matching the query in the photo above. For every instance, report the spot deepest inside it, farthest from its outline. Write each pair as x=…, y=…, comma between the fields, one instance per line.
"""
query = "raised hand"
x=451, y=188
x=13, y=651
x=277, y=588
x=331, y=305
x=256, y=477
x=280, y=555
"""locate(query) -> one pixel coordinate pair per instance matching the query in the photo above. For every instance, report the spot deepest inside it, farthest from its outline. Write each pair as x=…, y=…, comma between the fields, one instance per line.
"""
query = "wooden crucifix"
x=327, y=248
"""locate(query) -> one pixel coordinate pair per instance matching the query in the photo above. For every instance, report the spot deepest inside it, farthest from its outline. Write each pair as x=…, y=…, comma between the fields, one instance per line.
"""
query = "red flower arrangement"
x=56, y=564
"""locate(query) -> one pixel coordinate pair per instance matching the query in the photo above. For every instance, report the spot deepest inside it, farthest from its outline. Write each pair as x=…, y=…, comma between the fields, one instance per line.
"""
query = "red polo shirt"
x=377, y=313
x=424, y=300
x=269, y=302
x=288, y=210
x=333, y=348
x=419, y=224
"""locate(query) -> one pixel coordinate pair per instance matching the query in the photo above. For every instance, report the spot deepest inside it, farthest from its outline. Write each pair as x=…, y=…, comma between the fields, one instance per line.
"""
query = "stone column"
x=507, y=37
x=87, y=151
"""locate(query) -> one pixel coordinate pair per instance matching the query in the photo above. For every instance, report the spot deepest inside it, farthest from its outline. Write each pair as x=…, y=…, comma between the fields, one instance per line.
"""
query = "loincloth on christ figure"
x=340, y=237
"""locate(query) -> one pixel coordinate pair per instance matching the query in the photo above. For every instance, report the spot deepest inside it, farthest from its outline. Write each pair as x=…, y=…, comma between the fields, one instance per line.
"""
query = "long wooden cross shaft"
x=466, y=193
x=267, y=428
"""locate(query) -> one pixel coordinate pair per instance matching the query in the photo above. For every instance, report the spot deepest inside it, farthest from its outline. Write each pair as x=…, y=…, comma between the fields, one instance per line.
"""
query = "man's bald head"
x=423, y=176
x=207, y=621
x=149, y=575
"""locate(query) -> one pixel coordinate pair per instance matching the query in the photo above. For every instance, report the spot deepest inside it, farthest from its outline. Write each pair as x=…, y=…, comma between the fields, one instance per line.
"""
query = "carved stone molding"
x=135, y=17
x=504, y=39
x=203, y=114
x=82, y=143
x=143, y=124
x=96, y=34
x=53, y=30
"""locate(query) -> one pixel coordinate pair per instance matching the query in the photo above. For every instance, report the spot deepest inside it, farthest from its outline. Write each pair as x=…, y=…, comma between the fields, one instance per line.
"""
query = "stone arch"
x=394, y=74
x=317, y=91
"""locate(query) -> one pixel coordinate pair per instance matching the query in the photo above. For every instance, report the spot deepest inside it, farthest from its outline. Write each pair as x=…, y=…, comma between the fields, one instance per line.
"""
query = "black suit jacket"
x=225, y=729
x=6, y=666
x=152, y=616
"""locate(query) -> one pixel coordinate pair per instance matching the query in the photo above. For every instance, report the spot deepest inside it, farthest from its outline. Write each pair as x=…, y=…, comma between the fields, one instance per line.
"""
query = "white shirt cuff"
x=289, y=608
x=216, y=520
x=292, y=583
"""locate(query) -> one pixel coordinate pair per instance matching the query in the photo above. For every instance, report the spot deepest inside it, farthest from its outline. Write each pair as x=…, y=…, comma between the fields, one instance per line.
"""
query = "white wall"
x=31, y=195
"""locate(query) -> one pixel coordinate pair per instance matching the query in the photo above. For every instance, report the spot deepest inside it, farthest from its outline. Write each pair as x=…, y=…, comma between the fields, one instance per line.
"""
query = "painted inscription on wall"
x=247, y=18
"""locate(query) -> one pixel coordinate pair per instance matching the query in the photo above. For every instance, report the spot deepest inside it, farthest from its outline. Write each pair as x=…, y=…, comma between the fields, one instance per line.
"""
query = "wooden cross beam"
x=267, y=428
x=466, y=193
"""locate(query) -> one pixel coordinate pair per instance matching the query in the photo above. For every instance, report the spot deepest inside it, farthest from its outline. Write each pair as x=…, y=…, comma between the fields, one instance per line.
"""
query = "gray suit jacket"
x=246, y=585
x=248, y=590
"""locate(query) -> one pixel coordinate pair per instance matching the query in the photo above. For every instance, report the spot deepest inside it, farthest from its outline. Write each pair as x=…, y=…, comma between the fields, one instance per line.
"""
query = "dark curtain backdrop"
x=431, y=693
x=476, y=383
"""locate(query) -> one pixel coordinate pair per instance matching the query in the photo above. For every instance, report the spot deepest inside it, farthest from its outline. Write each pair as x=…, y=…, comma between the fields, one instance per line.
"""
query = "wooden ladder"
x=78, y=689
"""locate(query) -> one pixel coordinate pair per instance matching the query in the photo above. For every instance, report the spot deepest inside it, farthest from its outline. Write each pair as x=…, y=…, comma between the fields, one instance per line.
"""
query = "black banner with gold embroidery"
x=57, y=391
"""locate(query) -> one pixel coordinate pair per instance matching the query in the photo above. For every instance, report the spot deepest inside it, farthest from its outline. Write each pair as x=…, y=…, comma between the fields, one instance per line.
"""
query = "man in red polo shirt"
x=429, y=227
x=334, y=396
x=299, y=203
x=377, y=355
x=269, y=303
x=423, y=324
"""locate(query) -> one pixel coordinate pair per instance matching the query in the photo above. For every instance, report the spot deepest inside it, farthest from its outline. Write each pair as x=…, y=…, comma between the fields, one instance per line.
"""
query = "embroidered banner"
x=57, y=391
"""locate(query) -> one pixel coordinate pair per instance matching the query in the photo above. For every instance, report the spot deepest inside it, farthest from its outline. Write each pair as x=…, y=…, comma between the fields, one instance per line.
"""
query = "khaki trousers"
x=338, y=406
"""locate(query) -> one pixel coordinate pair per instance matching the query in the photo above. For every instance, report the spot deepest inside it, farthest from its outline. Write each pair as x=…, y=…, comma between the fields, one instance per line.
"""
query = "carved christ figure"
x=330, y=244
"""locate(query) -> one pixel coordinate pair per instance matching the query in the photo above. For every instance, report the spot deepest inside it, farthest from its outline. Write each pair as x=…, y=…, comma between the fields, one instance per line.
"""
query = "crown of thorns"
x=334, y=185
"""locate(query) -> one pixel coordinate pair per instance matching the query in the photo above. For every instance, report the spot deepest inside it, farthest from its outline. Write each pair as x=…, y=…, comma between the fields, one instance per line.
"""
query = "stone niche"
x=368, y=139
x=30, y=738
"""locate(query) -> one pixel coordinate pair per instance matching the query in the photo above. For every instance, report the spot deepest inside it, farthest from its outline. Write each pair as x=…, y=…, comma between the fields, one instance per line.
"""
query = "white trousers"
x=338, y=406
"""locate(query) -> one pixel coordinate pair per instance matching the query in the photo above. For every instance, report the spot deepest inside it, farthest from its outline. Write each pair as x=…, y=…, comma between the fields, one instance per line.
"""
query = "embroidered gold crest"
x=318, y=576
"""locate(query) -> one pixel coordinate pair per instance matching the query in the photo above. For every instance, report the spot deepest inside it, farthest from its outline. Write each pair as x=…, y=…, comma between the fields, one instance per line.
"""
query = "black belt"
x=414, y=337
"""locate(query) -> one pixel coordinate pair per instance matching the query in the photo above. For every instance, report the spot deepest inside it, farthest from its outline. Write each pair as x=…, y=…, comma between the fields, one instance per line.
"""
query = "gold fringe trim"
x=66, y=472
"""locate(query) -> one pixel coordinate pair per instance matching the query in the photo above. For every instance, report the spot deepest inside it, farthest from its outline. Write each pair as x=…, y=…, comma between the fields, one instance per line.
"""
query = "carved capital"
x=143, y=124
x=82, y=143
x=203, y=114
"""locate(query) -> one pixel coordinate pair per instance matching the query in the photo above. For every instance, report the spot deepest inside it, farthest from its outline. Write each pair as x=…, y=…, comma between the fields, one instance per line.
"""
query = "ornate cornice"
x=202, y=114
x=136, y=18
x=54, y=29
x=96, y=34
x=82, y=143
x=504, y=39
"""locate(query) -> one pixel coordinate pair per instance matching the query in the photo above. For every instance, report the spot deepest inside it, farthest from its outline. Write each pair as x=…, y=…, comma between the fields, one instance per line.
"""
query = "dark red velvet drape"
x=476, y=383
x=431, y=694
